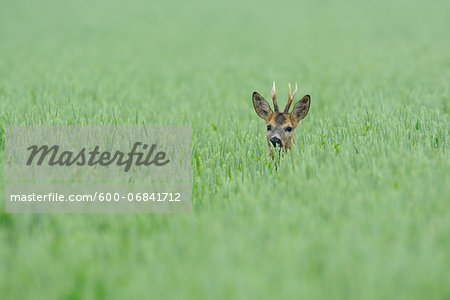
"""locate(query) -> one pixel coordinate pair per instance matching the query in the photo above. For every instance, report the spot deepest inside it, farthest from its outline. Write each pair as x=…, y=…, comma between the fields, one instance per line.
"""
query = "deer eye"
x=269, y=127
x=289, y=129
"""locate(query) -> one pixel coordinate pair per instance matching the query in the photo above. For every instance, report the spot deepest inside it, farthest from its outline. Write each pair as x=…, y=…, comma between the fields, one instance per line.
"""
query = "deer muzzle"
x=276, y=142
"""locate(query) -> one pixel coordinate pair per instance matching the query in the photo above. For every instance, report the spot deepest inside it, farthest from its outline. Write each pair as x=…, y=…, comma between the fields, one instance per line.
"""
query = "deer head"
x=281, y=125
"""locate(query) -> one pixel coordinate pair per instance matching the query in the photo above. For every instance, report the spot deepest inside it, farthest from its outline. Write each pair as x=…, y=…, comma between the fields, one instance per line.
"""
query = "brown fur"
x=279, y=122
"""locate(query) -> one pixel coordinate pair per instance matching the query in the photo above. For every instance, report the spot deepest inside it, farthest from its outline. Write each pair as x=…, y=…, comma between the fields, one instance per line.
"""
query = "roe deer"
x=281, y=125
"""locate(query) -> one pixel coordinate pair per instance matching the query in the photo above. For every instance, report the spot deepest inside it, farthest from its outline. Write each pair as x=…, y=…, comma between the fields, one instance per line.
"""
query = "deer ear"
x=301, y=108
x=261, y=106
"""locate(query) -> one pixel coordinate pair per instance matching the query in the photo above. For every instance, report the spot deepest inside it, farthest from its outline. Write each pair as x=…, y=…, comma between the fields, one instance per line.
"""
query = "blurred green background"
x=360, y=210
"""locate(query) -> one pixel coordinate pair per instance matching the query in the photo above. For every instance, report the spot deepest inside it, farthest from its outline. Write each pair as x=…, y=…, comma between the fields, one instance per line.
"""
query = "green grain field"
x=360, y=209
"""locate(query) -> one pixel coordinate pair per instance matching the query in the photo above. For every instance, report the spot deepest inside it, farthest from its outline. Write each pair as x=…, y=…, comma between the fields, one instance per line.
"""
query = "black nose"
x=276, y=141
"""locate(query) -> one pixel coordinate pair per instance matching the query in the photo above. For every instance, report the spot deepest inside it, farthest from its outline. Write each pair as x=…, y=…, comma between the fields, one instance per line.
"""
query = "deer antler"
x=291, y=97
x=274, y=98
